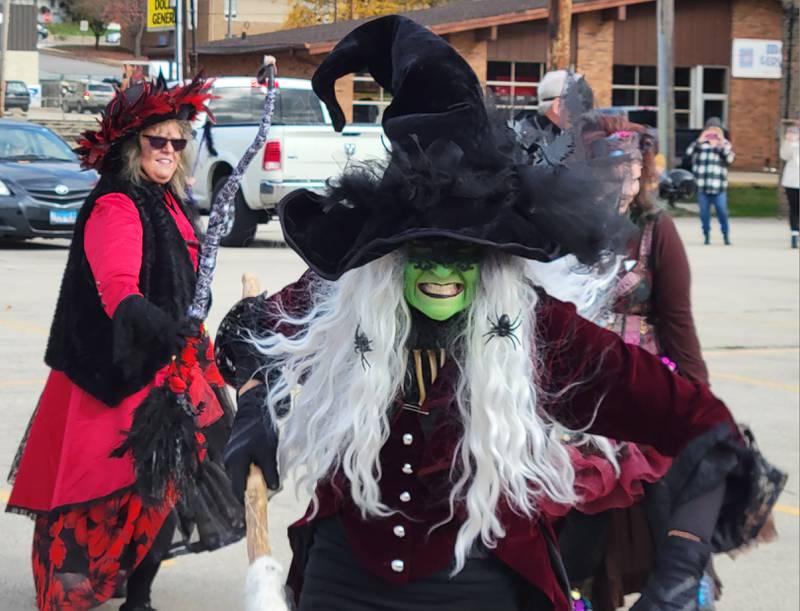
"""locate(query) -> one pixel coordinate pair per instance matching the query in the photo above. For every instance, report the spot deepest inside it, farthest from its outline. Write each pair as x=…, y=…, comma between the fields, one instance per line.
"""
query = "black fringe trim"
x=163, y=444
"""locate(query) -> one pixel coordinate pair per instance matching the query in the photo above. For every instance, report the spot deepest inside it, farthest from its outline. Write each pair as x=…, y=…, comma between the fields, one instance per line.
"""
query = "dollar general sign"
x=160, y=15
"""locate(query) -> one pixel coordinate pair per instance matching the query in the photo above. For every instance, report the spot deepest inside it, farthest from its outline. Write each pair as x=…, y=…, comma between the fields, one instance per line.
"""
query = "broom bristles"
x=264, y=586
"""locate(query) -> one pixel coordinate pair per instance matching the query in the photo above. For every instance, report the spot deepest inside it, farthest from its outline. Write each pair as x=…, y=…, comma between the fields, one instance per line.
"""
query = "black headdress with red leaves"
x=136, y=108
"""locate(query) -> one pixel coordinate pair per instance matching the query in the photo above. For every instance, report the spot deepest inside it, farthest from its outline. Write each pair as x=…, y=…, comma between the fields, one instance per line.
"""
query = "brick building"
x=613, y=45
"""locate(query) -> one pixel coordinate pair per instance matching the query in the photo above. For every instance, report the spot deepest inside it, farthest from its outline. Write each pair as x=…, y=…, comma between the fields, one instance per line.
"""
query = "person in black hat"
x=120, y=322
x=420, y=380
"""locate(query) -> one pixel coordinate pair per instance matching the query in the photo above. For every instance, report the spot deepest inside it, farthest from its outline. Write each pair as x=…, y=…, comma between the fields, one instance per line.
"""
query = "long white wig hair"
x=339, y=419
x=591, y=290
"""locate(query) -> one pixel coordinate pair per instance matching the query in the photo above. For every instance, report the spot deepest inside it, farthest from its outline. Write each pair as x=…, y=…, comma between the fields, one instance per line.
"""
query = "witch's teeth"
x=441, y=290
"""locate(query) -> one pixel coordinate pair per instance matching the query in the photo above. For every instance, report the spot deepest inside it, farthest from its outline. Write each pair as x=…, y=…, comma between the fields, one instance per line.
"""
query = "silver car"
x=92, y=97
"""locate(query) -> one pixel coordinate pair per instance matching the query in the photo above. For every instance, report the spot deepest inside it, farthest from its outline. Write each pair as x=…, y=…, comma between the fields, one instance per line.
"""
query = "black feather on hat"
x=453, y=171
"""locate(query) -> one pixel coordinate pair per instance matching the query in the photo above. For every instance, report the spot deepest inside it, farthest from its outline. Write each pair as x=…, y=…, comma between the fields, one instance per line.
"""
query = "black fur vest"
x=81, y=337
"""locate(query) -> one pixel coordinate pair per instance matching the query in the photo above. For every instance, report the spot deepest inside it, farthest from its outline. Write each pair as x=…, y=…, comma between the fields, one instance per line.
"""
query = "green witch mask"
x=441, y=277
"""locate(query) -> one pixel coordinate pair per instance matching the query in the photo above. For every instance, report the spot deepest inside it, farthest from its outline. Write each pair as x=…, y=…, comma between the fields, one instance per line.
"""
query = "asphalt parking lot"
x=746, y=309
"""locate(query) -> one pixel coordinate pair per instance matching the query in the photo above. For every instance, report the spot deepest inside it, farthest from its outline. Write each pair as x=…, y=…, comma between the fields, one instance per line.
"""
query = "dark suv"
x=17, y=96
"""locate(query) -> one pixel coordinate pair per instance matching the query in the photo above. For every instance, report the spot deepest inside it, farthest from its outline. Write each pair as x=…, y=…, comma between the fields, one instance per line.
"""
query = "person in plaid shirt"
x=711, y=155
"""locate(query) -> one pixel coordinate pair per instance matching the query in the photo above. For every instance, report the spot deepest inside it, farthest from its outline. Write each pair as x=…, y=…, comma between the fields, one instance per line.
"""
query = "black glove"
x=253, y=440
x=145, y=336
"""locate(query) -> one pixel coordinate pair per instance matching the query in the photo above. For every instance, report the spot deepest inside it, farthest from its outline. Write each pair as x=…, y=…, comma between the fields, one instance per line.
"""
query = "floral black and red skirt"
x=81, y=556
x=85, y=550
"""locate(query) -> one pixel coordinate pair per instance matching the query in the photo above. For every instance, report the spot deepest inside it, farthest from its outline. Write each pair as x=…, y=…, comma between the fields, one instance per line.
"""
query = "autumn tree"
x=314, y=12
x=91, y=11
x=131, y=15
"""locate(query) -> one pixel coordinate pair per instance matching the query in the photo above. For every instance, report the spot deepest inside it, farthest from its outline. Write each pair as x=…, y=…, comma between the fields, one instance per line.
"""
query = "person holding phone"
x=711, y=155
x=790, y=180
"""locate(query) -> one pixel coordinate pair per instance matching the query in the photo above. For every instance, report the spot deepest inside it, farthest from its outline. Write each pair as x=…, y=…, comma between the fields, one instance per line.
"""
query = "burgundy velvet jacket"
x=635, y=396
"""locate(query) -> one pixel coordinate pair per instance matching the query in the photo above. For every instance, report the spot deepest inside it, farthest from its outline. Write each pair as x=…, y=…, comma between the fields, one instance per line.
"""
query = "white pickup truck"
x=302, y=149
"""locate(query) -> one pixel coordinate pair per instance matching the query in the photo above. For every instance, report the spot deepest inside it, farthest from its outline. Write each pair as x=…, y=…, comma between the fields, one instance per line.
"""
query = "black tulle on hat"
x=454, y=171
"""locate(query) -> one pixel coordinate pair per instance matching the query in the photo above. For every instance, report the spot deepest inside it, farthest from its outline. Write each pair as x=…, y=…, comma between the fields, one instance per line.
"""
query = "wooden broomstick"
x=264, y=584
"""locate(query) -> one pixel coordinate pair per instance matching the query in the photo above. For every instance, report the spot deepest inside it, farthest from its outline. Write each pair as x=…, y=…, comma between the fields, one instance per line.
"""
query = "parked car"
x=93, y=96
x=42, y=186
x=17, y=96
x=302, y=150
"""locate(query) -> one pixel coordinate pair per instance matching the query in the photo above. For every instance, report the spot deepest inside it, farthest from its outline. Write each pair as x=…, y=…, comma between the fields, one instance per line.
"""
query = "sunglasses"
x=159, y=142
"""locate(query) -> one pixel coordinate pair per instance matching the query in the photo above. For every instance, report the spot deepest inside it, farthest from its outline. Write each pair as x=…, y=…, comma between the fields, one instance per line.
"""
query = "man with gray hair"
x=550, y=89
x=542, y=128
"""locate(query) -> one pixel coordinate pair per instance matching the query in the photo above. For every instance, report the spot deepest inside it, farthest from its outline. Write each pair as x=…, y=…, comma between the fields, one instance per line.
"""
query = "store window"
x=369, y=99
x=683, y=97
x=710, y=89
x=638, y=86
x=514, y=85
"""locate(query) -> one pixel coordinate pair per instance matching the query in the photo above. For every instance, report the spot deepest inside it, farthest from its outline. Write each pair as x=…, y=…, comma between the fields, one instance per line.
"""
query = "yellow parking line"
x=793, y=388
x=750, y=351
x=21, y=326
x=792, y=511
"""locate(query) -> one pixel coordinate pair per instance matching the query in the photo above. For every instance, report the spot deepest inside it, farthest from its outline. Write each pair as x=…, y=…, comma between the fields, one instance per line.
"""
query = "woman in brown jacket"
x=610, y=543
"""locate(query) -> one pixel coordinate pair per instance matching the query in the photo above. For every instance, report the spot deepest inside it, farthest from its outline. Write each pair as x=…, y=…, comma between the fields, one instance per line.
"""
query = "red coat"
x=66, y=459
x=636, y=396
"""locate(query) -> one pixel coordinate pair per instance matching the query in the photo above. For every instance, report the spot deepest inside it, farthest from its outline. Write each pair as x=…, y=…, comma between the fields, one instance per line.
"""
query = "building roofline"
x=261, y=42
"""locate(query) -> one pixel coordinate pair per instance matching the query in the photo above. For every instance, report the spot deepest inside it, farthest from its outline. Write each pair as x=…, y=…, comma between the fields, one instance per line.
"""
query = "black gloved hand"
x=253, y=440
x=188, y=327
x=145, y=336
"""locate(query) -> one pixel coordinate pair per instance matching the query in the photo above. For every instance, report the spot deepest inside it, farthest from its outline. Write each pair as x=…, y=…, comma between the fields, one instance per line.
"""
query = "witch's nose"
x=442, y=271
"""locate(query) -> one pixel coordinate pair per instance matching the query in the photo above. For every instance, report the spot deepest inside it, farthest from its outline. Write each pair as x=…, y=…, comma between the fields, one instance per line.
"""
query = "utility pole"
x=194, y=37
x=665, y=26
x=559, y=25
x=230, y=17
x=179, y=40
x=187, y=60
x=335, y=10
x=4, y=50
x=351, y=10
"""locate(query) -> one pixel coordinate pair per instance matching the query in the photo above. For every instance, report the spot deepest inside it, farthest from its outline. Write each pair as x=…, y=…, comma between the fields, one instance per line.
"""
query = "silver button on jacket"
x=408, y=439
x=398, y=566
x=407, y=469
x=405, y=497
x=399, y=531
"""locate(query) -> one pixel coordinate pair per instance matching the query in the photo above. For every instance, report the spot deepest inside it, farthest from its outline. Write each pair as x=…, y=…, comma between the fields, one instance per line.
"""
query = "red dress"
x=91, y=528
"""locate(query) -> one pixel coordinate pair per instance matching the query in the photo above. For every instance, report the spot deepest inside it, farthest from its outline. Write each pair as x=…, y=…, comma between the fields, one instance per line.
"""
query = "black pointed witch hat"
x=453, y=172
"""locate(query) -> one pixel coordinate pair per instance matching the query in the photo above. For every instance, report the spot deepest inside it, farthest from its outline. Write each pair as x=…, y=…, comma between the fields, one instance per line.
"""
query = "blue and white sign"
x=35, y=89
x=756, y=58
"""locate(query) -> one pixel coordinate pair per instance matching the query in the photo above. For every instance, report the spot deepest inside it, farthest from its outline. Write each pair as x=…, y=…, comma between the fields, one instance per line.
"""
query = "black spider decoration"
x=363, y=344
x=503, y=327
